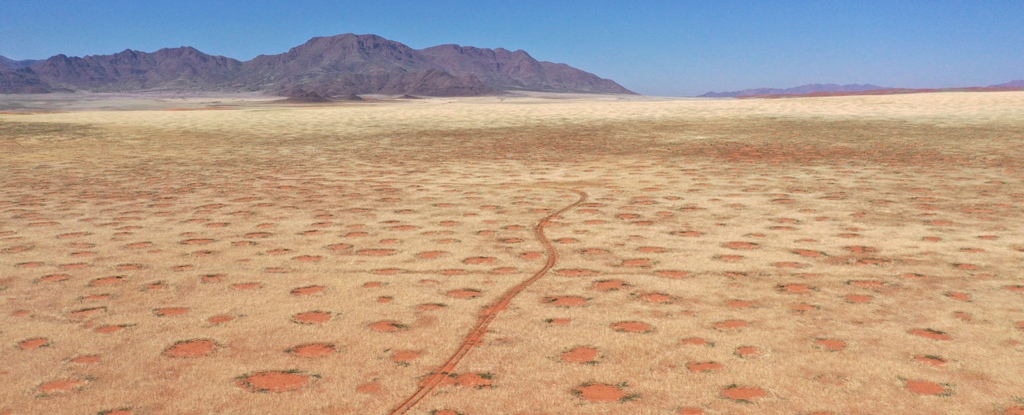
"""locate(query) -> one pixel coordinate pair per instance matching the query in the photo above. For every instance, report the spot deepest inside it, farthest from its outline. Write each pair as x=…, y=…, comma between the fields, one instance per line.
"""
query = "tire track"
x=490, y=313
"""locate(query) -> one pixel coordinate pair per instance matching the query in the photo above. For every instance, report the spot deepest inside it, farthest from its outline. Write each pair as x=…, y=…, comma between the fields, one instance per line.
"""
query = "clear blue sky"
x=653, y=47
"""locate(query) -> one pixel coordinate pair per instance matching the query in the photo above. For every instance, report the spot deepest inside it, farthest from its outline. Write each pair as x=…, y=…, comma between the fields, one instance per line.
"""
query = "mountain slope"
x=517, y=70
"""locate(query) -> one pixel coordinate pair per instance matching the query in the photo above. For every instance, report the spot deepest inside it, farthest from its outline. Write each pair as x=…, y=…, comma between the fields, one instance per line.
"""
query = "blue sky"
x=653, y=47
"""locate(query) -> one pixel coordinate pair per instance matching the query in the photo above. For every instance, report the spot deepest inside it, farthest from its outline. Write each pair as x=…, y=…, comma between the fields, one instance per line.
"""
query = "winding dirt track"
x=489, y=313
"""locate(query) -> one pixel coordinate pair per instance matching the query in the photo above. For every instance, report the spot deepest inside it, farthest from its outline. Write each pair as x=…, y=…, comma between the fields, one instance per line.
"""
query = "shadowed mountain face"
x=22, y=81
x=336, y=66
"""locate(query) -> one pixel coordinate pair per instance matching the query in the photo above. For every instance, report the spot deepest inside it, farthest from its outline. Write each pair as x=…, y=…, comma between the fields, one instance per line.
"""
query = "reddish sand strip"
x=488, y=315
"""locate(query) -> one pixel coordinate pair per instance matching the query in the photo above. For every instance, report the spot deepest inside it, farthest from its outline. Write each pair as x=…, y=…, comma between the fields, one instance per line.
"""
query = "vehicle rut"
x=490, y=313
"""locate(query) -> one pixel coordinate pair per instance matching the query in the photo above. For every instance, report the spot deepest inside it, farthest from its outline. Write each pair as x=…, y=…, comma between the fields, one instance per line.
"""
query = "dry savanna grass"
x=523, y=255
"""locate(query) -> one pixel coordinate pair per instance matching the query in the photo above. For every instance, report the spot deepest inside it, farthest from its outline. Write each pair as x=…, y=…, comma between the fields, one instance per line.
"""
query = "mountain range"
x=326, y=67
x=852, y=89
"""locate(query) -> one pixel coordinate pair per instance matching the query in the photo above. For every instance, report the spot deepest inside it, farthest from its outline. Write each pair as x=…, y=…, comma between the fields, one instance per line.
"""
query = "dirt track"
x=836, y=255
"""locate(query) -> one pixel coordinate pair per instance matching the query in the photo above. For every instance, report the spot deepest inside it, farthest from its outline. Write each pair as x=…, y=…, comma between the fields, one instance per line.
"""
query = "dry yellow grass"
x=847, y=255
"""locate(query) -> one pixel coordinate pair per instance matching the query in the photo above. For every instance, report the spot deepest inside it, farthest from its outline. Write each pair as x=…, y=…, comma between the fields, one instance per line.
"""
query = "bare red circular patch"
x=312, y=317
x=339, y=247
x=275, y=381
x=61, y=386
x=464, y=293
x=795, y=288
x=387, y=326
x=479, y=260
x=55, y=278
x=858, y=298
x=609, y=285
x=122, y=411
x=220, y=318
x=99, y=282
x=580, y=354
x=632, y=327
x=404, y=356
x=930, y=360
x=636, y=263
x=743, y=393
x=191, y=348
x=370, y=388
x=931, y=334
x=748, y=351
x=831, y=344
x=656, y=297
x=313, y=350
x=741, y=245
x=959, y=296
x=308, y=290
x=171, y=311
x=731, y=324
x=108, y=329
x=696, y=341
x=703, y=366
x=377, y=252
x=86, y=360
x=565, y=301
x=34, y=343
x=600, y=392
x=430, y=306
x=923, y=387
x=246, y=286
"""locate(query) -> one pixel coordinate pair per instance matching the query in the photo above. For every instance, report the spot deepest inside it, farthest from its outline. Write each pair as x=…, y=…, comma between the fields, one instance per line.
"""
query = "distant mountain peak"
x=819, y=90
x=798, y=90
x=1018, y=83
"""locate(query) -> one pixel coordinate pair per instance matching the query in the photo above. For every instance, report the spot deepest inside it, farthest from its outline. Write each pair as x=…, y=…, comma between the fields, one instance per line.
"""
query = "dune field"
x=521, y=255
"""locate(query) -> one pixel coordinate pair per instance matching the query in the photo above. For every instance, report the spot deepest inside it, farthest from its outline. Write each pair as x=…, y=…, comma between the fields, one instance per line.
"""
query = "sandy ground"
x=514, y=255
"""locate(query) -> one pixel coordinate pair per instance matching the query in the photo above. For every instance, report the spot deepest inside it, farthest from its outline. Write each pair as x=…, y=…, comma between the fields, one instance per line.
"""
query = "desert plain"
x=521, y=255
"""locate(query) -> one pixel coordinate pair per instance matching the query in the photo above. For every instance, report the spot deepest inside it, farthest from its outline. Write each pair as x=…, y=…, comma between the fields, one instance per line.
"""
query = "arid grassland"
x=518, y=255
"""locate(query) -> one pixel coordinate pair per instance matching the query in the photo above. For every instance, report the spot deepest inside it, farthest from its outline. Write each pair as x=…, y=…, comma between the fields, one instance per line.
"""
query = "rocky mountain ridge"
x=335, y=66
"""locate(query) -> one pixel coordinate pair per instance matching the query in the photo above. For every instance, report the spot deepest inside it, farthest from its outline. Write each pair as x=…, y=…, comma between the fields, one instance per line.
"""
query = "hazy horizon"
x=664, y=49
